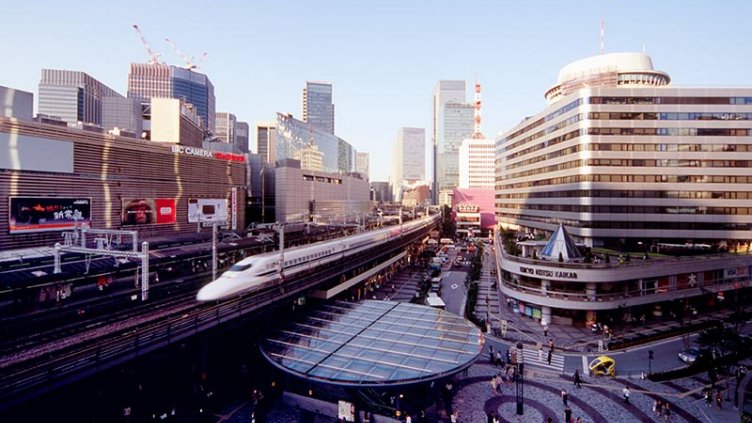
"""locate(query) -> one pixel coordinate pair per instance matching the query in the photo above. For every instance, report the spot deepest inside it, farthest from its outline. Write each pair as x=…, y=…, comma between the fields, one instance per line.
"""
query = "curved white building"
x=626, y=161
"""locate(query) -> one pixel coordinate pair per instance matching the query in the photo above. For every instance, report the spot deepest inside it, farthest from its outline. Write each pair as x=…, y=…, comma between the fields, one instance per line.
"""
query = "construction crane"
x=190, y=63
x=154, y=58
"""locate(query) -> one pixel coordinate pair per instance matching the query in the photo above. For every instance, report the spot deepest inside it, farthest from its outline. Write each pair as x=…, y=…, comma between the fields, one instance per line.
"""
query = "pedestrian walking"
x=498, y=383
x=579, y=420
x=499, y=359
x=625, y=392
x=493, y=384
x=567, y=415
x=577, y=380
x=545, y=329
x=551, y=344
x=492, y=355
x=540, y=354
x=565, y=397
x=657, y=405
x=666, y=411
x=718, y=399
x=708, y=398
x=550, y=354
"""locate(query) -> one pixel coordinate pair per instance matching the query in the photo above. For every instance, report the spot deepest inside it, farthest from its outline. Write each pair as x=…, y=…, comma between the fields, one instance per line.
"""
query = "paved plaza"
x=600, y=399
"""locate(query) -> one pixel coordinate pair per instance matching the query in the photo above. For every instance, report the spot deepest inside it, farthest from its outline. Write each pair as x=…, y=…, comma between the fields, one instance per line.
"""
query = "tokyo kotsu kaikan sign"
x=548, y=273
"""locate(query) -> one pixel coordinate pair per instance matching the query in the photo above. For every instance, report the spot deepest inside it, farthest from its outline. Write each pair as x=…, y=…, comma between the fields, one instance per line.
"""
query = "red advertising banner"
x=165, y=210
x=145, y=211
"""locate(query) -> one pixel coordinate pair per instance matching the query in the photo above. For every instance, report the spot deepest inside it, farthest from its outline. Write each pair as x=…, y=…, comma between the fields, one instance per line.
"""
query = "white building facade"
x=476, y=160
x=625, y=161
x=409, y=162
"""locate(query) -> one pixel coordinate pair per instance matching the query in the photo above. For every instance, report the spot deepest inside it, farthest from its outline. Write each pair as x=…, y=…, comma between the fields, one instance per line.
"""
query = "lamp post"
x=520, y=381
x=650, y=362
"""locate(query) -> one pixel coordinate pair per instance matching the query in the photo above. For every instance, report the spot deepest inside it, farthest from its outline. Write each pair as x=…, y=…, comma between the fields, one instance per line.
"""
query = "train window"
x=240, y=267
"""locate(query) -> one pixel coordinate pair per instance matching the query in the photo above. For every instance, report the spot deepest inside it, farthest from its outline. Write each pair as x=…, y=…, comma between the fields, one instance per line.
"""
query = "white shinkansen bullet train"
x=253, y=272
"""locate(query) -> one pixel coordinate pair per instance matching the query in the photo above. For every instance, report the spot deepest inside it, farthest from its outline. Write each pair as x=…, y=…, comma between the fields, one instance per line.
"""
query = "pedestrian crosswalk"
x=540, y=360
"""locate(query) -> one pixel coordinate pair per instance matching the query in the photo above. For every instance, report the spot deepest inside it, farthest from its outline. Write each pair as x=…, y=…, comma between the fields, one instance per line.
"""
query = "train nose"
x=211, y=292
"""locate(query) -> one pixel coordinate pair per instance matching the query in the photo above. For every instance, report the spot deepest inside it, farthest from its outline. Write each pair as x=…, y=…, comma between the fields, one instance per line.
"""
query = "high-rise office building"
x=122, y=113
x=409, y=162
x=166, y=81
x=242, y=136
x=318, y=108
x=621, y=159
x=293, y=136
x=476, y=161
x=452, y=122
x=363, y=165
x=73, y=96
x=620, y=156
x=225, y=124
x=266, y=140
x=16, y=103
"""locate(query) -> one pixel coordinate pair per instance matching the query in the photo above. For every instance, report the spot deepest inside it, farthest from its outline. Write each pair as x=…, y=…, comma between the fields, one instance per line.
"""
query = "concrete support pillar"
x=544, y=287
x=546, y=314
x=590, y=291
x=641, y=287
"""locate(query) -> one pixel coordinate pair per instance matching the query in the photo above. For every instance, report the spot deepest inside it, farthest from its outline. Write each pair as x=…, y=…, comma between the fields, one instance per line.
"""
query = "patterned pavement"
x=599, y=400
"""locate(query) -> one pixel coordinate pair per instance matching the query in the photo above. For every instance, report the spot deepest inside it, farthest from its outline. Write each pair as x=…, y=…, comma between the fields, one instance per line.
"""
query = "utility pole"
x=214, y=251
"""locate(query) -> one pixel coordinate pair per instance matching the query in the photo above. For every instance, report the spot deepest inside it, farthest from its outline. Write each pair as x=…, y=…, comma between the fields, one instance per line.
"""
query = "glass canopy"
x=374, y=343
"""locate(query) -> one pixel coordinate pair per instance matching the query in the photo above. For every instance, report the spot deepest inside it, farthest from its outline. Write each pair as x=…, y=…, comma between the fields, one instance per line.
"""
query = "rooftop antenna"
x=603, y=37
x=154, y=58
x=477, y=133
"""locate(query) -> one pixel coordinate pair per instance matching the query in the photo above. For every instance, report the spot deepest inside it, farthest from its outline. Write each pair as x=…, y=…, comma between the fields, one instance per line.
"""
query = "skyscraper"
x=452, y=122
x=242, y=136
x=166, y=81
x=266, y=139
x=318, y=108
x=409, y=159
x=225, y=124
x=363, y=164
x=73, y=96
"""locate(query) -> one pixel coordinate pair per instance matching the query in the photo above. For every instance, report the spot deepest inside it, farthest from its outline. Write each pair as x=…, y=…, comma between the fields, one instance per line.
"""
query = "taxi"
x=603, y=365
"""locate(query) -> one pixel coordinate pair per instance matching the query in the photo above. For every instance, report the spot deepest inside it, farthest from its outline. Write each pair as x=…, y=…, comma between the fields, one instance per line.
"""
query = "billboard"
x=145, y=211
x=207, y=210
x=41, y=214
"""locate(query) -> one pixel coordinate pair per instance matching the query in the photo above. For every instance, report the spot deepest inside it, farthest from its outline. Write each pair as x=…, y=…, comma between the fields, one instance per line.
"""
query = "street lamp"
x=650, y=362
x=520, y=382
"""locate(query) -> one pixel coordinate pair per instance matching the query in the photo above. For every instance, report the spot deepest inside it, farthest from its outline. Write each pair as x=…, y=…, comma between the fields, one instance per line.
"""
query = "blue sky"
x=383, y=57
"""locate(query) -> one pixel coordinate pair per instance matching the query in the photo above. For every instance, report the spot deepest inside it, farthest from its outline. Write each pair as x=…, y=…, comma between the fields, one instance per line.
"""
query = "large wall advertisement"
x=144, y=211
x=207, y=210
x=41, y=214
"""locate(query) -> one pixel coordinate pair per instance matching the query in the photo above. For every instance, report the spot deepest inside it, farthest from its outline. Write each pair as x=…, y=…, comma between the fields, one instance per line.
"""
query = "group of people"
x=662, y=408
x=708, y=394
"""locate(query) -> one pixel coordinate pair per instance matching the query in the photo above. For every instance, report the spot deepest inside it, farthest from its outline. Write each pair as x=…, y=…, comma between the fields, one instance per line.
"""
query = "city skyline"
x=382, y=74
